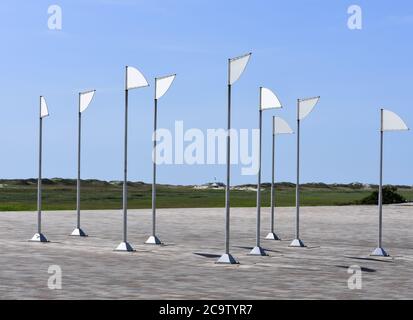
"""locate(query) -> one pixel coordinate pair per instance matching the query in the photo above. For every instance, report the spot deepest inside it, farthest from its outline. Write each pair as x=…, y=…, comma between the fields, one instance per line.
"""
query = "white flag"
x=135, y=79
x=44, y=111
x=268, y=100
x=237, y=67
x=162, y=85
x=305, y=106
x=392, y=122
x=85, y=99
x=281, y=126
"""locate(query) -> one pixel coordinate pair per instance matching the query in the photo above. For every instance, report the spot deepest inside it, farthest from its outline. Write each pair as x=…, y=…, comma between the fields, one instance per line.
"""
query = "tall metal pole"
x=227, y=258
x=228, y=182
x=381, y=192
x=259, y=185
x=297, y=186
x=272, y=235
x=379, y=251
x=154, y=169
x=78, y=230
x=39, y=237
x=297, y=241
x=272, y=176
x=257, y=250
x=78, y=168
x=125, y=172
x=381, y=184
x=153, y=239
x=125, y=246
x=39, y=181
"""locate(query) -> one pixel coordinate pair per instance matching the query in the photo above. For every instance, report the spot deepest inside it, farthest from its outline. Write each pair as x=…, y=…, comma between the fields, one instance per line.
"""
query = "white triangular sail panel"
x=392, y=122
x=85, y=99
x=305, y=106
x=44, y=111
x=269, y=100
x=237, y=67
x=162, y=85
x=135, y=79
x=281, y=126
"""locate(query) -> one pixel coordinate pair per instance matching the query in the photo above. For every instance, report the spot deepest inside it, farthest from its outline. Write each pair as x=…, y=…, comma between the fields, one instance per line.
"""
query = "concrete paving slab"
x=184, y=268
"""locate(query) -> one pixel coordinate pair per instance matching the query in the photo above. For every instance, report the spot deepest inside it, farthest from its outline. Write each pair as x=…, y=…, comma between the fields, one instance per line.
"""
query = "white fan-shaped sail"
x=269, y=100
x=281, y=126
x=44, y=111
x=135, y=79
x=392, y=122
x=237, y=67
x=162, y=85
x=85, y=99
x=305, y=106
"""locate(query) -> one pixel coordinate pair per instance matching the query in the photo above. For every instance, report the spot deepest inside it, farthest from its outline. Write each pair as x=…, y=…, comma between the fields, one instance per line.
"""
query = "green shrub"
x=390, y=196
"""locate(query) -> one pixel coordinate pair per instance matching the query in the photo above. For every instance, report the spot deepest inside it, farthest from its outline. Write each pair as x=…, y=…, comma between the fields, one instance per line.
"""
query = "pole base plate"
x=227, y=259
x=272, y=236
x=297, y=243
x=258, y=251
x=39, y=237
x=124, y=247
x=78, y=233
x=154, y=240
x=379, y=252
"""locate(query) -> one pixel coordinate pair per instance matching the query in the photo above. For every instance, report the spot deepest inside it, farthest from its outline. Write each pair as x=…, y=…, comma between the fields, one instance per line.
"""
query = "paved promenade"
x=337, y=237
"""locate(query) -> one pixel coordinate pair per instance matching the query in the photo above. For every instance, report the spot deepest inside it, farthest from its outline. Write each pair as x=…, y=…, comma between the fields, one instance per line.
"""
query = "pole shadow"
x=207, y=255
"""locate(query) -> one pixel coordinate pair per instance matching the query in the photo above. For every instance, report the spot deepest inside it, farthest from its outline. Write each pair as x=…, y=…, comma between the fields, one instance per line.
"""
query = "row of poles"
x=267, y=100
x=134, y=80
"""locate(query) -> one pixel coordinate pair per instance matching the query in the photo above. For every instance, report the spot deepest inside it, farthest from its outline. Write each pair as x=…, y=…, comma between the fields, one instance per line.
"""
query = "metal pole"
x=125, y=171
x=39, y=237
x=379, y=251
x=259, y=185
x=273, y=176
x=78, y=168
x=227, y=258
x=258, y=251
x=153, y=239
x=381, y=184
x=155, y=120
x=297, y=241
x=125, y=246
x=39, y=182
x=272, y=235
x=297, y=186
x=227, y=186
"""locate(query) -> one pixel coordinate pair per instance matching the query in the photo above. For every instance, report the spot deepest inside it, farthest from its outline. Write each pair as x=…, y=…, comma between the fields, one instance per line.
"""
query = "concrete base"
x=154, y=240
x=379, y=252
x=297, y=243
x=39, y=237
x=258, y=251
x=124, y=247
x=78, y=233
x=272, y=236
x=227, y=259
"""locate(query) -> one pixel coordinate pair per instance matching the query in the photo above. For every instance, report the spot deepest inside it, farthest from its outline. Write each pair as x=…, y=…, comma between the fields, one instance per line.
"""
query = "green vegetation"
x=60, y=194
x=390, y=196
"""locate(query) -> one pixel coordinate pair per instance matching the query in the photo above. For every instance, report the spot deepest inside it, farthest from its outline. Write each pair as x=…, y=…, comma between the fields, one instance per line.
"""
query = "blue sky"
x=300, y=48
